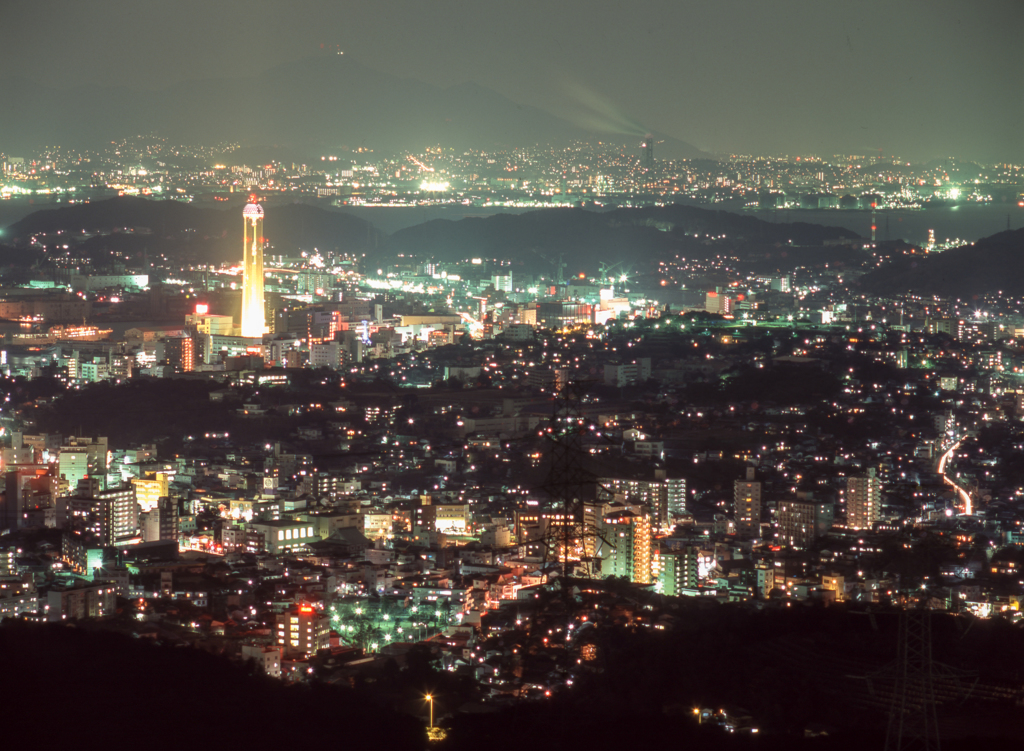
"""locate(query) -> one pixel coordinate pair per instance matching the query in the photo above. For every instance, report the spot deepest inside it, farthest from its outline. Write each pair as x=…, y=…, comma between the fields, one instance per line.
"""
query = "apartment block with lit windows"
x=625, y=545
x=863, y=500
x=676, y=570
x=747, y=505
x=303, y=629
x=150, y=490
x=666, y=496
x=180, y=352
x=802, y=520
x=80, y=600
x=111, y=514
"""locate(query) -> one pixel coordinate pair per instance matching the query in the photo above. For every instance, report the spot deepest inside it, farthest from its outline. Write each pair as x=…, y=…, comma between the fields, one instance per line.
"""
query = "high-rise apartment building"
x=160, y=522
x=647, y=153
x=747, y=505
x=149, y=490
x=180, y=353
x=70, y=602
x=329, y=355
x=665, y=496
x=82, y=457
x=626, y=545
x=718, y=302
x=802, y=520
x=111, y=516
x=675, y=497
x=30, y=488
x=253, y=312
x=73, y=465
x=502, y=282
x=675, y=570
x=625, y=373
x=764, y=570
x=303, y=629
x=863, y=500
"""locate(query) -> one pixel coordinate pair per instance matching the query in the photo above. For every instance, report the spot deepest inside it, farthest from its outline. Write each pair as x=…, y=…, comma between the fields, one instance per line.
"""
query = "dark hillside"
x=993, y=264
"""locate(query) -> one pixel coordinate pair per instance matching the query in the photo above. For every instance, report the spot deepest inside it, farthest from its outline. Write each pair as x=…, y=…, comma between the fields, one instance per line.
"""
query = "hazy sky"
x=919, y=78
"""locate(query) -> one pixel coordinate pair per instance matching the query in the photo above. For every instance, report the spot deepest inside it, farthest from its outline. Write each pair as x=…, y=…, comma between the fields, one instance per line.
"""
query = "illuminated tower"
x=253, y=323
x=647, y=153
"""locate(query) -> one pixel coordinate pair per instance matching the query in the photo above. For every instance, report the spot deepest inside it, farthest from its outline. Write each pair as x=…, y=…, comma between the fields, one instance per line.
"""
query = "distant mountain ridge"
x=333, y=101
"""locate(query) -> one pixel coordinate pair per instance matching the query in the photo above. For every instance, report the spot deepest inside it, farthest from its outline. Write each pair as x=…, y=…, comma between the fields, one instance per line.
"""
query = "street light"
x=430, y=698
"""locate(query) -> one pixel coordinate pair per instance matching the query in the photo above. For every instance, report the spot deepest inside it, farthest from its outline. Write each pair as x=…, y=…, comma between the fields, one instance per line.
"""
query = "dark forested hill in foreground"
x=993, y=264
x=786, y=669
x=67, y=684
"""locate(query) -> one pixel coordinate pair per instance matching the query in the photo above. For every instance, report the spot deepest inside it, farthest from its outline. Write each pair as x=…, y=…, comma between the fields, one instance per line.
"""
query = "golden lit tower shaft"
x=253, y=322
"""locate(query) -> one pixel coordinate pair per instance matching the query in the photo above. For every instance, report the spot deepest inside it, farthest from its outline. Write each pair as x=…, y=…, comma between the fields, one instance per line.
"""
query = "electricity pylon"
x=913, y=719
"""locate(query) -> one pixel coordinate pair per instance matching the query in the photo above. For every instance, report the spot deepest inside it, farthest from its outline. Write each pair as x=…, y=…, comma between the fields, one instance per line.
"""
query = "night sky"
x=919, y=78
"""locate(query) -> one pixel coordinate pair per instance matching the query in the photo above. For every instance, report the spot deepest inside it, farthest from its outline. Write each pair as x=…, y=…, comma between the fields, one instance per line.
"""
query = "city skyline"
x=643, y=375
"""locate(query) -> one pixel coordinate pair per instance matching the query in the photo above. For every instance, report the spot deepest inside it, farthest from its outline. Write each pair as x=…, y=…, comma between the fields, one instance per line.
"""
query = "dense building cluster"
x=378, y=471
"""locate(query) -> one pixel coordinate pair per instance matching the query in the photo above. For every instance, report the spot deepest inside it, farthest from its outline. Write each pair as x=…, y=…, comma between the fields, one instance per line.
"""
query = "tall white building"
x=675, y=497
